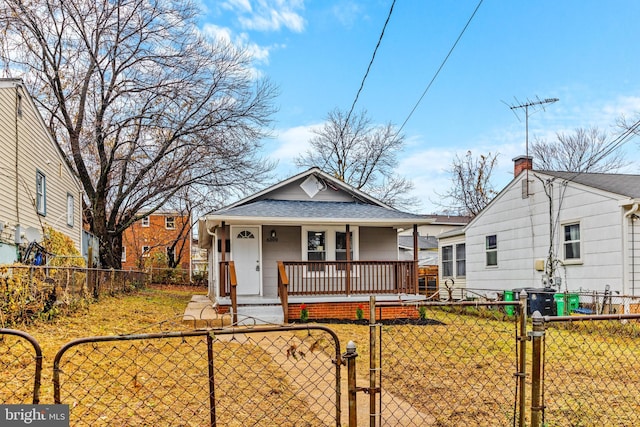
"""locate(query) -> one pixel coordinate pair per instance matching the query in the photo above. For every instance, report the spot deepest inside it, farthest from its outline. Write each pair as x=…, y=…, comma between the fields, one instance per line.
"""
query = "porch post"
x=348, y=275
x=222, y=276
x=415, y=258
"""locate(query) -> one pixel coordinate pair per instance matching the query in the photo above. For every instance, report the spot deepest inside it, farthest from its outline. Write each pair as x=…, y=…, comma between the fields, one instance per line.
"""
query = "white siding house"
x=38, y=189
x=571, y=231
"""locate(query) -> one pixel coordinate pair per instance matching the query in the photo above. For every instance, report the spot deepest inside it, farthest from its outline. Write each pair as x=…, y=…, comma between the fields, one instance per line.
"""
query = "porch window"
x=341, y=248
x=316, y=249
x=572, y=241
x=491, y=249
x=461, y=260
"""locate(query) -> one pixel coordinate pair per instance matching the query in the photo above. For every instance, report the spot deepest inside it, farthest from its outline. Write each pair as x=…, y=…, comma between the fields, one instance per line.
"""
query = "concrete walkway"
x=201, y=313
x=301, y=372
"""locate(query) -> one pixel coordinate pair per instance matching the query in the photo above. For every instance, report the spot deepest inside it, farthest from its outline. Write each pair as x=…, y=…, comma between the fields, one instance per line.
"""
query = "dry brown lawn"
x=459, y=371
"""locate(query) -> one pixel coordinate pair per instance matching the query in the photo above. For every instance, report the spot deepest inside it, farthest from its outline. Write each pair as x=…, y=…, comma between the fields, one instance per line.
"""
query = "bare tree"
x=361, y=154
x=586, y=150
x=471, y=188
x=140, y=101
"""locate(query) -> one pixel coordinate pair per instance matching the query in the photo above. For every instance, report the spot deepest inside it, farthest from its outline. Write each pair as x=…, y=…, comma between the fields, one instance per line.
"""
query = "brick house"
x=157, y=239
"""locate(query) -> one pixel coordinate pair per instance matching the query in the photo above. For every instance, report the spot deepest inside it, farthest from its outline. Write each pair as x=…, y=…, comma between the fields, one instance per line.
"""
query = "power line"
x=353, y=105
x=441, y=66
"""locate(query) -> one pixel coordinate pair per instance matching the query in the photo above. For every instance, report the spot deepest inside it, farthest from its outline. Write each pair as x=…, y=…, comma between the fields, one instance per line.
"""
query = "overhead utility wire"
x=368, y=68
x=441, y=66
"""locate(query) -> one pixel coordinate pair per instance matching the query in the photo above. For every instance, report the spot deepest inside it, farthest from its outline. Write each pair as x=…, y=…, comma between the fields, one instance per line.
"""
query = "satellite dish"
x=32, y=234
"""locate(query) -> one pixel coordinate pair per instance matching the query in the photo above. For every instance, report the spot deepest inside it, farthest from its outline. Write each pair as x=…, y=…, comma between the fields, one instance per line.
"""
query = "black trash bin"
x=538, y=299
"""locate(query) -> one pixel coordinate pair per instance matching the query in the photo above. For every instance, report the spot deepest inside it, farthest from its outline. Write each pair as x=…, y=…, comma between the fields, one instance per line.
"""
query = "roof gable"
x=312, y=184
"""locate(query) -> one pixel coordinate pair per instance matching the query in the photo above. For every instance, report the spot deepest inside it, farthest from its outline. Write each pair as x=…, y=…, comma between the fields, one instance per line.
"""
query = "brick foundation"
x=343, y=310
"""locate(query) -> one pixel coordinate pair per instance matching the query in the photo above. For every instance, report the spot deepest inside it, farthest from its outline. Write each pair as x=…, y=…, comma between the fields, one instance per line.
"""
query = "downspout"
x=18, y=113
x=632, y=215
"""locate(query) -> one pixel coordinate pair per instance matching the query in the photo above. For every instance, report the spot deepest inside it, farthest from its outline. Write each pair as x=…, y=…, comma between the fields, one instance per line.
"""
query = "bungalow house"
x=566, y=230
x=38, y=188
x=330, y=243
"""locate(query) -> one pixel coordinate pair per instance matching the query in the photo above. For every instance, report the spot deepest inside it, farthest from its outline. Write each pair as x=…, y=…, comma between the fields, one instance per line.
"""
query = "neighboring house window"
x=572, y=241
x=70, y=210
x=316, y=249
x=41, y=193
x=447, y=261
x=123, y=258
x=492, y=250
x=170, y=223
x=145, y=251
x=461, y=262
x=145, y=221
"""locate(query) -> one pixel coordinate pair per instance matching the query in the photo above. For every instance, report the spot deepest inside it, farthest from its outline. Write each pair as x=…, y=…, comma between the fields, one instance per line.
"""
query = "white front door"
x=245, y=250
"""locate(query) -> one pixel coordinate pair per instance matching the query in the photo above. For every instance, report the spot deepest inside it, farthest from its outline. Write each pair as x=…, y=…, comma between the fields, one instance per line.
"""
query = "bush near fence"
x=28, y=292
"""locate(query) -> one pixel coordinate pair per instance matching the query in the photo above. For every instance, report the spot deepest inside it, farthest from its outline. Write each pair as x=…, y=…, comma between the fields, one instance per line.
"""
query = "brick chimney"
x=521, y=163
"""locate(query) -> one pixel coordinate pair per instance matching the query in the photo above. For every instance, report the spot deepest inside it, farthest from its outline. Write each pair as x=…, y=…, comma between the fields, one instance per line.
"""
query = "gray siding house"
x=38, y=188
x=328, y=238
x=570, y=231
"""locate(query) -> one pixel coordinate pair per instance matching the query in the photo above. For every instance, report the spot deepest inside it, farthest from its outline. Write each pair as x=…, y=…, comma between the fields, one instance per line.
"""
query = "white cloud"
x=268, y=15
x=347, y=13
x=292, y=142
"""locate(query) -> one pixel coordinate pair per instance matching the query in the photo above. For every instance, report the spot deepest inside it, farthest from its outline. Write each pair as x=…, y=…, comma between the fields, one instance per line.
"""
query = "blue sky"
x=583, y=52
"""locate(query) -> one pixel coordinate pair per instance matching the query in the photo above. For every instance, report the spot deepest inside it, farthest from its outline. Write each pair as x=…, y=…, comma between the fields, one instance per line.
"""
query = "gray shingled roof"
x=306, y=209
x=424, y=242
x=625, y=185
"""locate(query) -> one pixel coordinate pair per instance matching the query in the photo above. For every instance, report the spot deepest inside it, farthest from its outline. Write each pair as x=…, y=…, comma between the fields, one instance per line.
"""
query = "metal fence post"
x=350, y=357
x=373, y=366
x=536, y=369
x=522, y=368
x=212, y=386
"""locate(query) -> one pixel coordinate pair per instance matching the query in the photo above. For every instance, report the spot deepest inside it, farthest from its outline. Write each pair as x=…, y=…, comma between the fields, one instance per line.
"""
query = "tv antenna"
x=526, y=105
x=538, y=103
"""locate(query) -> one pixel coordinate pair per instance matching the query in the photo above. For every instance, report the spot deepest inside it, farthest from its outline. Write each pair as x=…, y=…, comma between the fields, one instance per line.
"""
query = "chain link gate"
x=285, y=376
x=21, y=367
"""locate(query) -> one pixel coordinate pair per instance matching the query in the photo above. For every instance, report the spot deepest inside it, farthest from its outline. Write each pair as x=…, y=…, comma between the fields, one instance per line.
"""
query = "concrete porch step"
x=260, y=314
x=202, y=313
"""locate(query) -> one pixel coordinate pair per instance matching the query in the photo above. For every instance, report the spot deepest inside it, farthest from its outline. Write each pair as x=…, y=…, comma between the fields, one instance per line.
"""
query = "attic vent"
x=311, y=186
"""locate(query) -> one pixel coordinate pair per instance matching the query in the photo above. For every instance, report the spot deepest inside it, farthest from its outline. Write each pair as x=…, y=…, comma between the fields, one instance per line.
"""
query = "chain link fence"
x=286, y=376
x=589, y=374
x=449, y=364
x=20, y=367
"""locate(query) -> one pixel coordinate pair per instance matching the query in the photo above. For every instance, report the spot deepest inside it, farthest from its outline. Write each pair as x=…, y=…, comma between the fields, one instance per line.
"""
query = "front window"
x=316, y=249
x=123, y=257
x=70, y=210
x=447, y=261
x=41, y=193
x=145, y=221
x=145, y=251
x=572, y=241
x=461, y=264
x=491, y=249
x=170, y=223
x=341, y=248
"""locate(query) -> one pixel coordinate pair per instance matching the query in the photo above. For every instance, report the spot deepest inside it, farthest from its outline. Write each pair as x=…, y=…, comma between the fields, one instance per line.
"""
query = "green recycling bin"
x=574, y=302
x=559, y=299
x=509, y=309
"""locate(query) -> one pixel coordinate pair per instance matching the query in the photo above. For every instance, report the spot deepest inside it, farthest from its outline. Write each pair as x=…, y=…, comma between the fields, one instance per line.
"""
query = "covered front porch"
x=329, y=289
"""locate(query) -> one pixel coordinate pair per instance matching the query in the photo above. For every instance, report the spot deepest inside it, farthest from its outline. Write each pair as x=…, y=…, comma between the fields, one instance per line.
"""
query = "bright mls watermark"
x=34, y=415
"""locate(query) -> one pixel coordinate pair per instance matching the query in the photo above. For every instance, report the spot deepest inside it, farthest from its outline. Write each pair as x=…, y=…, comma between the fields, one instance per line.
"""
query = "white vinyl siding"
x=27, y=204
